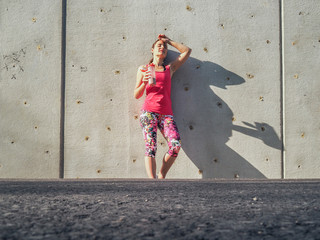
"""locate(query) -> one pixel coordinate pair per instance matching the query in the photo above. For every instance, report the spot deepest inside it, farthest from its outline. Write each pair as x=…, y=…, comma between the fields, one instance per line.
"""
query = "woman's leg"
x=170, y=131
x=151, y=167
x=148, y=122
x=166, y=165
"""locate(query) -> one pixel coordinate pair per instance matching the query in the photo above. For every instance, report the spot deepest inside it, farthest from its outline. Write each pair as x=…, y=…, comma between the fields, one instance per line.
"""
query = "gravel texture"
x=162, y=209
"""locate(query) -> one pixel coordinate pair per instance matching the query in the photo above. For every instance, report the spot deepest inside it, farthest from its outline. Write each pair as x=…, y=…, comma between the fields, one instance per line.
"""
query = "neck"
x=157, y=61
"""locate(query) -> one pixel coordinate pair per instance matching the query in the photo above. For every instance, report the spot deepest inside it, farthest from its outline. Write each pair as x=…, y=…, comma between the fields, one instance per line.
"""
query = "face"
x=160, y=49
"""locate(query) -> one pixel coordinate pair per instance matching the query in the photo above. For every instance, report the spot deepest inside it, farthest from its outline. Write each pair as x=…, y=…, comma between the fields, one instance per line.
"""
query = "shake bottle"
x=152, y=75
x=149, y=74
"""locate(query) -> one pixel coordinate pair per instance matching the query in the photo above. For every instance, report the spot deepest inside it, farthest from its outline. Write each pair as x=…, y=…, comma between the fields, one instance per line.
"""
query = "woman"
x=156, y=111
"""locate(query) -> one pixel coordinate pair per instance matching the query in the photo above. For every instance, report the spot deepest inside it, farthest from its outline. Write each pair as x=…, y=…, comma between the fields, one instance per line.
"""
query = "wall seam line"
x=63, y=81
x=282, y=89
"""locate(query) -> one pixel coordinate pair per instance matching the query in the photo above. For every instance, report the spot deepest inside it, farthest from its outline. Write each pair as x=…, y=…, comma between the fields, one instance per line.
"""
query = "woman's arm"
x=140, y=84
x=184, y=50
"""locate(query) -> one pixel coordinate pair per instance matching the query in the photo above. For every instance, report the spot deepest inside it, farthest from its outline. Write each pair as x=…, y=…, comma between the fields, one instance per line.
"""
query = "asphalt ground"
x=159, y=209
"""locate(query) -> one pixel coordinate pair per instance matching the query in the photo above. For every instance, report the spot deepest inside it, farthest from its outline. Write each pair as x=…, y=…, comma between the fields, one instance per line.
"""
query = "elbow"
x=188, y=51
x=136, y=95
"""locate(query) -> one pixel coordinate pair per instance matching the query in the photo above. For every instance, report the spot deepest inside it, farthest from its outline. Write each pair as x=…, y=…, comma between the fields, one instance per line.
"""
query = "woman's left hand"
x=164, y=38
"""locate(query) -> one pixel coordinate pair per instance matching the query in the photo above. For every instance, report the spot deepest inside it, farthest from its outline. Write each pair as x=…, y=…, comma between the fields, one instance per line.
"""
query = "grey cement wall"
x=229, y=99
x=301, y=47
x=30, y=88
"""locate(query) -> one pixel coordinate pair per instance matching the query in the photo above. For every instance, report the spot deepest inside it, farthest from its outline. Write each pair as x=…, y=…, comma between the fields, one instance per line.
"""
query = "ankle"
x=160, y=176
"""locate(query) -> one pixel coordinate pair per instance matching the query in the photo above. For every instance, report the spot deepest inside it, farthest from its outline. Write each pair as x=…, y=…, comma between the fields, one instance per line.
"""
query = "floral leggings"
x=149, y=122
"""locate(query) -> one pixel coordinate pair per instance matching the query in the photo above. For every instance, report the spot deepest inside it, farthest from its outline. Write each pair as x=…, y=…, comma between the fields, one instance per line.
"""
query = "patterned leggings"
x=149, y=122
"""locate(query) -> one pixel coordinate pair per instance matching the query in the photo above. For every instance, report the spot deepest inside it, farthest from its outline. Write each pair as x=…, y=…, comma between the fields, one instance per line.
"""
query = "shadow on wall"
x=205, y=121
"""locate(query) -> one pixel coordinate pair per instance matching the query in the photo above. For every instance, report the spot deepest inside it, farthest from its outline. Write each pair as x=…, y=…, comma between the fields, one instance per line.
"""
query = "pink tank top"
x=158, y=98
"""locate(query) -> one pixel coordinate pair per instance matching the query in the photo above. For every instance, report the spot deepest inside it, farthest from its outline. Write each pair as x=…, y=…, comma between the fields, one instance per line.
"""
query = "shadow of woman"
x=205, y=121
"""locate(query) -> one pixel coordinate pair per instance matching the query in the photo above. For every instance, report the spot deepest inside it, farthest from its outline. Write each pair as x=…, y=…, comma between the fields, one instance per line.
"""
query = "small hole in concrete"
x=25, y=103
x=200, y=171
x=233, y=119
x=165, y=29
x=227, y=78
x=117, y=72
x=86, y=138
x=36, y=127
x=248, y=49
x=267, y=159
x=110, y=99
x=215, y=160
x=72, y=65
x=296, y=76
x=186, y=88
x=134, y=160
x=302, y=135
x=236, y=175
x=188, y=8
x=12, y=142
x=250, y=75
x=47, y=152
x=205, y=49
x=198, y=66
x=263, y=129
x=219, y=104
x=135, y=117
x=124, y=38
x=299, y=166
x=221, y=25
x=261, y=98
x=268, y=42
x=109, y=128
x=191, y=127
x=98, y=171
x=78, y=102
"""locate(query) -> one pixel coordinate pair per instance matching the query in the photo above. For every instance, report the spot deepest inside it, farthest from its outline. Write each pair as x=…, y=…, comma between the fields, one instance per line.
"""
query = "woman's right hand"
x=146, y=77
x=146, y=74
x=141, y=82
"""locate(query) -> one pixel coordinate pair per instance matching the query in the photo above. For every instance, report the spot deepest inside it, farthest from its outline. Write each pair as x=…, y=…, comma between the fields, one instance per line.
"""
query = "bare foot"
x=160, y=176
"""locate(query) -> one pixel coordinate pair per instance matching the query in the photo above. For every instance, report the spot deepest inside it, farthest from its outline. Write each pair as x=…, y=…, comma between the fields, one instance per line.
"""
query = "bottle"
x=152, y=76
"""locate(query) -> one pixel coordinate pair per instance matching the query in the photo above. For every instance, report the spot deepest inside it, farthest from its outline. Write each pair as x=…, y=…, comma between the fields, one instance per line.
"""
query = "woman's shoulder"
x=168, y=66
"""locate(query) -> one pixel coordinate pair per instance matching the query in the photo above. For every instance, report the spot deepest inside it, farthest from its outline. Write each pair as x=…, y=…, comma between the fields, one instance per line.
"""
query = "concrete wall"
x=30, y=88
x=229, y=99
x=301, y=47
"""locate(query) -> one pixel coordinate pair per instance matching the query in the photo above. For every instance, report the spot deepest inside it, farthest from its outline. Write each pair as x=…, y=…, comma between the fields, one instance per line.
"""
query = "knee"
x=151, y=152
x=174, y=148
